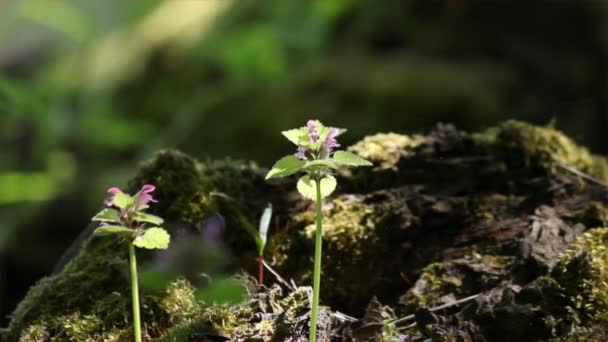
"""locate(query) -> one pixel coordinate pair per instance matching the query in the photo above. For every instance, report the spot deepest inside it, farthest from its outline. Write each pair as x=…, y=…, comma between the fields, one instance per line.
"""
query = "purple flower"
x=313, y=131
x=113, y=191
x=330, y=142
x=144, y=197
x=302, y=153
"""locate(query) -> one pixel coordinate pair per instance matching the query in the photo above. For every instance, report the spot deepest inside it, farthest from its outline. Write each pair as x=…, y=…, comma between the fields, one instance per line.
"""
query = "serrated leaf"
x=349, y=158
x=308, y=187
x=285, y=166
x=122, y=200
x=143, y=217
x=263, y=228
x=153, y=238
x=298, y=136
x=107, y=215
x=320, y=162
x=113, y=230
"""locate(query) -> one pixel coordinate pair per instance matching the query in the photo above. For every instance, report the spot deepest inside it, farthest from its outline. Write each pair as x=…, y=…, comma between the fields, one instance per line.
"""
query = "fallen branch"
x=437, y=308
x=279, y=278
x=580, y=173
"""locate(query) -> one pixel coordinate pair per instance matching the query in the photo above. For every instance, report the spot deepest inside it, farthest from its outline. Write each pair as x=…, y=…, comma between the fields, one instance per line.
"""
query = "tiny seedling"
x=315, y=156
x=125, y=217
x=261, y=238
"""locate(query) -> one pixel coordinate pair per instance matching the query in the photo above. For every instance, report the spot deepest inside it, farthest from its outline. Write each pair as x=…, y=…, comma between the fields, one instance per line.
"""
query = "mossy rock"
x=439, y=216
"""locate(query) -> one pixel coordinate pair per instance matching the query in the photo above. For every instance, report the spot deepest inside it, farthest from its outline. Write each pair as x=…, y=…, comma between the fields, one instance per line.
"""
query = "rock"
x=440, y=217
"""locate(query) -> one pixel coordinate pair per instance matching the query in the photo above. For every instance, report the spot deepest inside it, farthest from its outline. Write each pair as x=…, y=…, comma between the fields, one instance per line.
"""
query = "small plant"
x=261, y=237
x=125, y=217
x=315, y=156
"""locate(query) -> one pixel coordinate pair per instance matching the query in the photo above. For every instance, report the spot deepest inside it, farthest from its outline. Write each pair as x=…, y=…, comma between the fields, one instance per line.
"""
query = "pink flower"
x=330, y=142
x=144, y=197
x=113, y=191
x=302, y=153
x=313, y=131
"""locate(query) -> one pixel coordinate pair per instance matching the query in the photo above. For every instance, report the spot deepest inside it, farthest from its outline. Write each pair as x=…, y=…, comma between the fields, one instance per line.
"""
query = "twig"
x=293, y=286
x=279, y=278
x=407, y=327
x=437, y=308
x=580, y=173
x=343, y=316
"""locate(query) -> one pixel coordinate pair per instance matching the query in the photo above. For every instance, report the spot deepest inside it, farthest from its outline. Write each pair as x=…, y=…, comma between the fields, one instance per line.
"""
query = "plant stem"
x=317, y=267
x=261, y=270
x=135, y=294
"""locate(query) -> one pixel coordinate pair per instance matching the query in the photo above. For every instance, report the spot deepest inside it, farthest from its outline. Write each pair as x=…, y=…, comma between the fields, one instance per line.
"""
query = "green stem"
x=135, y=294
x=317, y=268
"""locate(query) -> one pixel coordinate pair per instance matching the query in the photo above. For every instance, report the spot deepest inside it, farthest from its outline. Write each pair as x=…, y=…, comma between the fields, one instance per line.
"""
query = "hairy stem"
x=317, y=267
x=135, y=294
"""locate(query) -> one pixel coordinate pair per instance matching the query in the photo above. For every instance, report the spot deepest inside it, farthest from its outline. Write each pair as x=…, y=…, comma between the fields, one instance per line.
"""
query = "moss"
x=541, y=146
x=385, y=149
x=445, y=281
x=182, y=193
x=281, y=317
x=179, y=302
x=355, y=234
x=94, y=285
x=582, y=272
x=429, y=287
x=35, y=333
x=594, y=214
x=229, y=320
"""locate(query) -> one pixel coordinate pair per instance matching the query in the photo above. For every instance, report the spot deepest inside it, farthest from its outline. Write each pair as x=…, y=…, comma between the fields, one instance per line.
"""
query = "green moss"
x=354, y=233
x=582, y=272
x=182, y=193
x=594, y=214
x=279, y=318
x=229, y=320
x=385, y=150
x=541, y=146
x=430, y=287
x=91, y=294
x=442, y=282
x=179, y=302
x=35, y=333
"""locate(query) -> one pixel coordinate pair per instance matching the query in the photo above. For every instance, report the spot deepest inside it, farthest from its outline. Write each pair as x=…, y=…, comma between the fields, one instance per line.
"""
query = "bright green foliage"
x=286, y=166
x=107, y=215
x=298, y=136
x=148, y=218
x=263, y=229
x=307, y=186
x=114, y=230
x=153, y=238
x=350, y=159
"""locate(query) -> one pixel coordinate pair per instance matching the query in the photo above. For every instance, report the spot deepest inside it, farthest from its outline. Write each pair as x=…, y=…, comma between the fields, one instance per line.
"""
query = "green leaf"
x=349, y=158
x=308, y=187
x=320, y=162
x=263, y=228
x=143, y=217
x=285, y=166
x=153, y=238
x=323, y=132
x=223, y=291
x=114, y=230
x=122, y=200
x=298, y=136
x=107, y=215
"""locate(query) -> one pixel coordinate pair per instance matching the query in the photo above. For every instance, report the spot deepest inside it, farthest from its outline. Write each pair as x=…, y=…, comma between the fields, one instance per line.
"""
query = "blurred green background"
x=90, y=88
